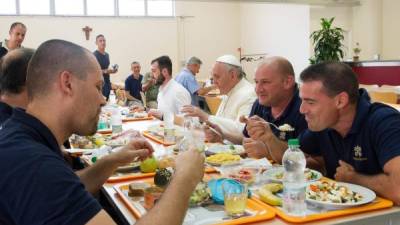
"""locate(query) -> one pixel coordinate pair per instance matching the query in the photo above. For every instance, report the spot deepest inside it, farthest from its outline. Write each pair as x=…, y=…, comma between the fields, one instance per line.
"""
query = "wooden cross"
x=87, y=31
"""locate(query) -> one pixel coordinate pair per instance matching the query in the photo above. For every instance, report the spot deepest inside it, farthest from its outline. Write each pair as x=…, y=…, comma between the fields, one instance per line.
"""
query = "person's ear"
x=288, y=81
x=65, y=82
x=341, y=100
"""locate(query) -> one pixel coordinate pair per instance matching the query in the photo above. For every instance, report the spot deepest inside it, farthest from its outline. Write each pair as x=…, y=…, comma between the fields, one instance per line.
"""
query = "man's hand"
x=189, y=165
x=138, y=149
x=344, y=172
x=213, y=135
x=255, y=149
x=156, y=113
x=258, y=128
x=193, y=111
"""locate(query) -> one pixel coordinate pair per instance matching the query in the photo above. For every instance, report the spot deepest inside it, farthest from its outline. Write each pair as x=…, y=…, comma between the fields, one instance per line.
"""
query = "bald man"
x=62, y=79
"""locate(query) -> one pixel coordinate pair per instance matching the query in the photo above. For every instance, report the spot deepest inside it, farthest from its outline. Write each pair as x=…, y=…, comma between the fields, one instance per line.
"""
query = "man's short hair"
x=165, y=62
x=16, y=24
x=99, y=36
x=335, y=77
x=13, y=69
x=194, y=61
x=51, y=59
x=239, y=71
x=280, y=64
x=135, y=62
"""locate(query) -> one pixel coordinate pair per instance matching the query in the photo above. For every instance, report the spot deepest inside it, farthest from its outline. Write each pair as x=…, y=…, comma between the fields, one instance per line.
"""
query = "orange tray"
x=137, y=119
x=105, y=131
x=262, y=213
x=377, y=204
x=156, y=139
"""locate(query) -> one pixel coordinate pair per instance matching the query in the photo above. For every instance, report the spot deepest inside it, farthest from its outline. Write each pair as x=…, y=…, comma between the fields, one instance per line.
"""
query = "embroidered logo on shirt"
x=358, y=156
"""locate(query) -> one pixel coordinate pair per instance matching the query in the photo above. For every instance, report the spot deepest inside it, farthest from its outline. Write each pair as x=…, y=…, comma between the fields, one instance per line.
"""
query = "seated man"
x=150, y=87
x=278, y=103
x=188, y=80
x=133, y=86
x=64, y=78
x=229, y=78
x=13, y=68
x=171, y=96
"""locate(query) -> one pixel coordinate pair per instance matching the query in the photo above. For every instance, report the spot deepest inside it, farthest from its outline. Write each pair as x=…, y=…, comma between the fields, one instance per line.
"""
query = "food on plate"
x=87, y=142
x=136, y=115
x=223, y=159
x=162, y=177
x=243, y=175
x=151, y=195
x=268, y=191
x=200, y=195
x=332, y=192
x=137, y=189
x=310, y=175
x=286, y=127
x=166, y=161
x=148, y=165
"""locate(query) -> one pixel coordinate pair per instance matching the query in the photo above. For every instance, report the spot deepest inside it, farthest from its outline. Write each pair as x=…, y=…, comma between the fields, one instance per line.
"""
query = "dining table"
x=385, y=216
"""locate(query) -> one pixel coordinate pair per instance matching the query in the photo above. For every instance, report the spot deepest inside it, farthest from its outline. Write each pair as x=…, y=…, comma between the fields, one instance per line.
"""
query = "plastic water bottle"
x=294, y=183
x=112, y=100
x=116, y=121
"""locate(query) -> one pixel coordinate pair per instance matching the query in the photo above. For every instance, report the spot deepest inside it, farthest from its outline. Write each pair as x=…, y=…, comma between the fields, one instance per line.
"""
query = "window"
x=70, y=7
x=88, y=7
x=131, y=7
x=37, y=7
x=160, y=8
x=8, y=7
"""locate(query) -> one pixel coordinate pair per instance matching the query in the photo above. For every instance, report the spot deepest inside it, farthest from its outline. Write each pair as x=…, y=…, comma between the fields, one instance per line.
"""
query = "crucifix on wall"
x=87, y=31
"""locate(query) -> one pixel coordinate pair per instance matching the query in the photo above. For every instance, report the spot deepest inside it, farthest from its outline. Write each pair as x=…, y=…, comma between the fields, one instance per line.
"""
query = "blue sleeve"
x=127, y=84
x=385, y=133
x=55, y=195
x=192, y=85
x=309, y=142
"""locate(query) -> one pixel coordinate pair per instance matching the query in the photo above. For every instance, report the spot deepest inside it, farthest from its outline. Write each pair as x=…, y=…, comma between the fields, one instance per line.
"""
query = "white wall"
x=390, y=31
x=275, y=29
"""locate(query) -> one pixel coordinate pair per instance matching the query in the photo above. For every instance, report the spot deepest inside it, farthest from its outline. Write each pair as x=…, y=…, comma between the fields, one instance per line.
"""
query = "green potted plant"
x=327, y=42
x=356, y=51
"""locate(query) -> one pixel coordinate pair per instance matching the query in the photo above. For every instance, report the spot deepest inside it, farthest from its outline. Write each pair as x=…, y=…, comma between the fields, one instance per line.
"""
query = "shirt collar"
x=238, y=86
x=166, y=87
x=295, y=99
x=38, y=127
x=187, y=71
x=363, y=105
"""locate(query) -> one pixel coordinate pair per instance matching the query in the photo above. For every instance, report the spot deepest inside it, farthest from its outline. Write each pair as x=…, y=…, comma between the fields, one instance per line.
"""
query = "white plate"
x=367, y=194
x=271, y=174
x=237, y=149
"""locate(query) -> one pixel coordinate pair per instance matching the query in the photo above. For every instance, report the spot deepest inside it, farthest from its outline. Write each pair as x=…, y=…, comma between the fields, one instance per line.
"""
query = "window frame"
x=85, y=11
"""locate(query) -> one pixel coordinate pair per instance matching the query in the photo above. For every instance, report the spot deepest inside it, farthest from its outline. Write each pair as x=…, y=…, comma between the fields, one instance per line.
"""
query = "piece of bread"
x=137, y=189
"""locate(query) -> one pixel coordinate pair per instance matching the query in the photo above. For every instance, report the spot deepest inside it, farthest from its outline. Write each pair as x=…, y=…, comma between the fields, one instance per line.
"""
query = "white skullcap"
x=229, y=59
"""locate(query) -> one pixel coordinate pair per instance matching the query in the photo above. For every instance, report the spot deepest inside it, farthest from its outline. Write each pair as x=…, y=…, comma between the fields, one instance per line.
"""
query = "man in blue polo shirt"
x=278, y=103
x=12, y=81
x=187, y=78
x=359, y=140
x=133, y=86
x=64, y=78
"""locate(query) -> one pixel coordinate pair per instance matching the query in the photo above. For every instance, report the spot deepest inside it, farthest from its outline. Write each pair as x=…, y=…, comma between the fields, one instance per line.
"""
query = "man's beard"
x=160, y=80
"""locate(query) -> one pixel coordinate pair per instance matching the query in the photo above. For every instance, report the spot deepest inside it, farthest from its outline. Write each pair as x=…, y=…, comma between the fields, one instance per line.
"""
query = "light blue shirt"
x=187, y=79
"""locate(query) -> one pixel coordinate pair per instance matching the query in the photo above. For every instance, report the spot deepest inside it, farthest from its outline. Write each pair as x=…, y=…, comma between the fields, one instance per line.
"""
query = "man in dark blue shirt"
x=104, y=60
x=359, y=140
x=37, y=185
x=133, y=86
x=13, y=93
x=278, y=103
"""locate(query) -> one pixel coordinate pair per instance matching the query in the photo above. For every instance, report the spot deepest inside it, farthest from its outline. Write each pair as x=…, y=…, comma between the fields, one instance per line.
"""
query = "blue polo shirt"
x=36, y=185
x=373, y=140
x=291, y=115
x=134, y=86
x=104, y=61
x=187, y=79
x=5, y=112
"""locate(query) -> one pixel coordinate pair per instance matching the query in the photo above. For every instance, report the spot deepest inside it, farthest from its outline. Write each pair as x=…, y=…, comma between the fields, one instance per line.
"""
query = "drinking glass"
x=235, y=197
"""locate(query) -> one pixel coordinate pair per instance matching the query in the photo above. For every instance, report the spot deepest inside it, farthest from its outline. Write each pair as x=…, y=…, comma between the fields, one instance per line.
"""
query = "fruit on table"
x=149, y=165
x=162, y=177
x=267, y=194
